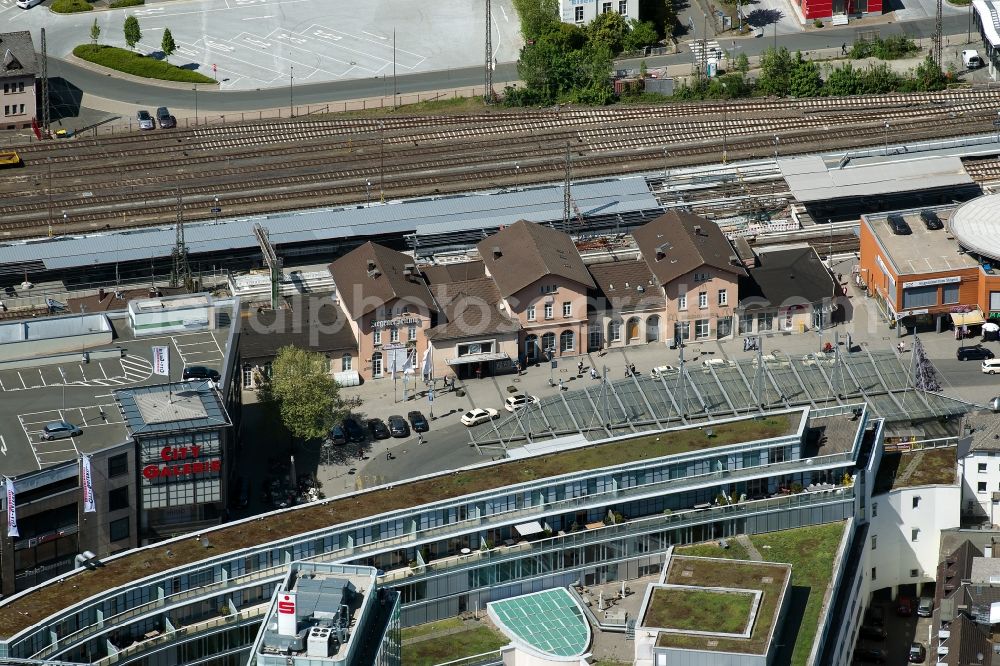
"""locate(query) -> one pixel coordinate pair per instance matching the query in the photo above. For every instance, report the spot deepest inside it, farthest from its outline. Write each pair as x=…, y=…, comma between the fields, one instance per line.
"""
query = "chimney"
x=497, y=252
x=371, y=265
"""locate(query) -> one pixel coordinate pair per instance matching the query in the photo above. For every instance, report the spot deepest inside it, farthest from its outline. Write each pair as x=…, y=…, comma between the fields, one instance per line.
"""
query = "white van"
x=28, y=4
x=991, y=366
x=970, y=58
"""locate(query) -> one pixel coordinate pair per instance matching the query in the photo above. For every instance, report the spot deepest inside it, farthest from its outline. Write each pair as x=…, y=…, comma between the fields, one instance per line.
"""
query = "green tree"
x=928, y=76
x=303, y=392
x=878, y=78
x=537, y=17
x=742, y=64
x=95, y=32
x=640, y=35
x=133, y=35
x=167, y=44
x=775, y=72
x=608, y=29
x=805, y=80
x=842, y=81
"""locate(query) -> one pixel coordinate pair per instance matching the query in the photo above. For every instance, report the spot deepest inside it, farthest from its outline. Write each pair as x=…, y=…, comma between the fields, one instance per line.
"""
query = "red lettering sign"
x=170, y=454
x=186, y=469
x=286, y=605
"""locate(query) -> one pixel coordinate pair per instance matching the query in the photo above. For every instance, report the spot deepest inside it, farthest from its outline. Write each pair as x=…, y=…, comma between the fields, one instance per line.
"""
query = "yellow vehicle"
x=9, y=158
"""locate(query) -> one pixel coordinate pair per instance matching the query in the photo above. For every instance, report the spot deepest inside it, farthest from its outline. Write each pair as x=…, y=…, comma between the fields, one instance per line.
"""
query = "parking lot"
x=900, y=633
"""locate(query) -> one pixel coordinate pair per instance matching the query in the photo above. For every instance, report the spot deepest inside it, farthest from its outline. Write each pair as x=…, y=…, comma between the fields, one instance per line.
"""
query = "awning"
x=479, y=358
x=527, y=529
x=972, y=318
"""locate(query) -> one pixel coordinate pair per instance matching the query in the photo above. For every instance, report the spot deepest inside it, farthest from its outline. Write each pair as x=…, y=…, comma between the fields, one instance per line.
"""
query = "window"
x=949, y=293
x=920, y=297
x=548, y=311
x=723, y=297
x=345, y=362
x=605, y=7
x=873, y=573
x=981, y=487
x=874, y=542
x=566, y=341
x=119, y=529
x=765, y=321
x=594, y=341
x=995, y=301
x=411, y=332
x=914, y=573
x=623, y=7
x=20, y=88
x=701, y=329
x=377, y=364
x=874, y=509
x=914, y=534
x=916, y=502
x=6, y=88
x=682, y=302
x=567, y=309
x=117, y=465
x=531, y=313
x=549, y=342
x=247, y=374
x=615, y=331
x=118, y=499
x=393, y=334
x=982, y=468
x=682, y=330
x=6, y=110
x=578, y=14
x=702, y=299
x=377, y=336
x=746, y=323
x=22, y=109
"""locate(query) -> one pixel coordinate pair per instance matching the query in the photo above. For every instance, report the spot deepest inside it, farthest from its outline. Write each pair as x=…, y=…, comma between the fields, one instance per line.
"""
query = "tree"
x=167, y=44
x=641, y=34
x=304, y=393
x=608, y=29
x=133, y=35
x=95, y=32
x=842, y=81
x=775, y=72
x=928, y=76
x=805, y=80
x=742, y=64
x=537, y=17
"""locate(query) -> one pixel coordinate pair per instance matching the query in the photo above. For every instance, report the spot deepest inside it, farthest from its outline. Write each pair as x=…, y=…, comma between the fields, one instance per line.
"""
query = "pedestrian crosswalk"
x=704, y=50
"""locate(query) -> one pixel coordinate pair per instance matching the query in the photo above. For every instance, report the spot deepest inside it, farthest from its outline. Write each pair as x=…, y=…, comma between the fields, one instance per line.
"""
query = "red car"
x=904, y=607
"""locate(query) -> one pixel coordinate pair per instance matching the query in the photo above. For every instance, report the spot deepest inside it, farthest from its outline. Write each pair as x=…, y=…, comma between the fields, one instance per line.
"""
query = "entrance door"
x=377, y=364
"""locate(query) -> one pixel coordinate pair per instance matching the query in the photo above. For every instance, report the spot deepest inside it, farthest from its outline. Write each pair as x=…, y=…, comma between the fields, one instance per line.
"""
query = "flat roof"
x=923, y=251
x=66, y=388
x=910, y=469
x=811, y=179
x=44, y=328
x=771, y=579
x=988, y=18
x=976, y=225
x=167, y=408
x=549, y=623
x=45, y=600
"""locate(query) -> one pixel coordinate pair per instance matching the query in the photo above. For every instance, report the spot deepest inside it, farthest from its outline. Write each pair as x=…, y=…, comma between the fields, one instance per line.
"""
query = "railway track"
x=134, y=180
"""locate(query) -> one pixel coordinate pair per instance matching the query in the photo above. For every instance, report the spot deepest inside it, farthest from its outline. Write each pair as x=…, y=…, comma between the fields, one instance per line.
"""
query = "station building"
x=582, y=12
x=18, y=73
x=934, y=279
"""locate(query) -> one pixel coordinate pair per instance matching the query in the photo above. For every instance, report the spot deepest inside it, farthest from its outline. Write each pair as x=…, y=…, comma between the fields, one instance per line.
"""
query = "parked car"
x=873, y=655
x=378, y=429
x=973, y=353
x=336, y=436
x=60, y=430
x=353, y=430
x=477, y=416
x=28, y=4
x=398, y=427
x=925, y=608
x=898, y=225
x=145, y=120
x=165, y=119
x=872, y=633
x=519, y=401
x=995, y=404
x=876, y=616
x=971, y=59
x=418, y=421
x=917, y=653
x=661, y=370
x=196, y=372
x=931, y=220
x=904, y=606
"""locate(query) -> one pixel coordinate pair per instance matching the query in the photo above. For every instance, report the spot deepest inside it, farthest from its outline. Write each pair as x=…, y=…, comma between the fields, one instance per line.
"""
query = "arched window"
x=345, y=362
x=567, y=341
x=377, y=364
x=653, y=328
x=531, y=348
x=632, y=329
x=614, y=331
x=549, y=343
x=594, y=341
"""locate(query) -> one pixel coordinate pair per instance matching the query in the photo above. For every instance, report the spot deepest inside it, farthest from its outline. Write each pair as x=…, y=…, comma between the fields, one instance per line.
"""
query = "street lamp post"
x=776, y=139
x=368, y=192
x=196, y=105
x=216, y=209
x=381, y=161
x=291, y=92
x=517, y=175
x=887, y=138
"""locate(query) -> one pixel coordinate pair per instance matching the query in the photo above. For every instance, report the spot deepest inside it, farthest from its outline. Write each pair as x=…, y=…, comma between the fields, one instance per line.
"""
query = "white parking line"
x=23, y=385
x=255, y=18
x=3, y=445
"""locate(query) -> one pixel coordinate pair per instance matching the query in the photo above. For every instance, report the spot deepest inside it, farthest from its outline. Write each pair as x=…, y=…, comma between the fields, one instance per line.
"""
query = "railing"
x=483, y=659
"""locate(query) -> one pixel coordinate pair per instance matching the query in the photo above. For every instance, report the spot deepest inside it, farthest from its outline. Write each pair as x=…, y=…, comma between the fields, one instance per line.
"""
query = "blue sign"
x=216, y=210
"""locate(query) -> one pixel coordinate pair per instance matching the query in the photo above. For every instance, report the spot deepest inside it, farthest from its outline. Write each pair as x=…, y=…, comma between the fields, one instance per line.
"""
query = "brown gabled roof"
x=968, y=642
x=677, y=243
x=526, y=252
x=310, y=322
x=17, y=54
x=372, y=275
x=471, y=308
x=619, y=282
x=457, y=272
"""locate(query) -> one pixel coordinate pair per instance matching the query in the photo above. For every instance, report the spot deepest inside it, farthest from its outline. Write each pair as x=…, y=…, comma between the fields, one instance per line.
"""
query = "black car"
x=973, y=353
x=876, y=616
x=418, y=421
x=194, y=372
x=398, y=426
x=931, y=220
x=353, y=430
x=165, y=119
x=336, y=436
x=378, y=429
x=898, y=225
x=918, y=653
x=874, y=655
x=873, y=633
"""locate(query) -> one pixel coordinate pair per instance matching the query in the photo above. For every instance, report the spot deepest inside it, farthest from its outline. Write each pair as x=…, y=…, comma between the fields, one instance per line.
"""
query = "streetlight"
x=215, y=209
x=368, y=192
x=196, y=105
x=517, y=175
x=381, y=160
x=776, y=139
x=887, y=138
x=291, y=92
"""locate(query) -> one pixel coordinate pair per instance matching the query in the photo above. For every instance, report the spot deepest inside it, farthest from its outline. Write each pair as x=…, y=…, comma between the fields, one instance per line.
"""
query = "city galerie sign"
x=175, y=455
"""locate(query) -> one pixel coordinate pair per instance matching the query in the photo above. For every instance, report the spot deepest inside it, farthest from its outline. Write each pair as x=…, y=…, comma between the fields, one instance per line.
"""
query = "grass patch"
x=736, y=551
x=420, y=630
x=70, y=6
x=929, y=467
x=448, y=106
x=123, y=60
x=699, y=610
x=44, y=601
x=453, y=646
x=117, y=4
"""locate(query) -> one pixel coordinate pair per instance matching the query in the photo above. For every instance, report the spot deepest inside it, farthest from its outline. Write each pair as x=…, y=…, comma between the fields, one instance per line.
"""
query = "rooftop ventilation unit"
x=318, y=642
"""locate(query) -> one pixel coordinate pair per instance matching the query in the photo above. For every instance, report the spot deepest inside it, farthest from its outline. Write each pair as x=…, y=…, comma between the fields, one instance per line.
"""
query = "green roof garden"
x=48, y=599
x=687, y=609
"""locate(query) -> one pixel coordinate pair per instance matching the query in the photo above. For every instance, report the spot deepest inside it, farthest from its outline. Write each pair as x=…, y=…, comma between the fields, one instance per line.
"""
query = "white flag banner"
x=161, y=361
x=89, y=506
x=11, y=511
x=425, y=365
x=409, y=361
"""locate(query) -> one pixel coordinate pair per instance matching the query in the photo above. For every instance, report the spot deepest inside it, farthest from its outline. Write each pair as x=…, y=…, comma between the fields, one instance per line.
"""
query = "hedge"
x=70, y=6
x=136, y=64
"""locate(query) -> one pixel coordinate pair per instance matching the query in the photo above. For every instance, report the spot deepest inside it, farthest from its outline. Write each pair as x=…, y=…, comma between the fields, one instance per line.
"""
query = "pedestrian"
x=479, y=372
x=626, y=370
x=388, y=455
x=843, y=49
x=579, y=368
x=560, y=384
x=420, y=438
x=631, y=369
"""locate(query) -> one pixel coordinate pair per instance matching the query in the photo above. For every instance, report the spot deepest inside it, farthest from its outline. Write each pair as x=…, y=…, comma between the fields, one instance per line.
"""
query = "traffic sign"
x=996, y=123
x=216, y=209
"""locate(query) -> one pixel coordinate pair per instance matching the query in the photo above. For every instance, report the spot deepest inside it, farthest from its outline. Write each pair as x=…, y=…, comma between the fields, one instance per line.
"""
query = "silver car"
x=60, y=430
x=145, y=120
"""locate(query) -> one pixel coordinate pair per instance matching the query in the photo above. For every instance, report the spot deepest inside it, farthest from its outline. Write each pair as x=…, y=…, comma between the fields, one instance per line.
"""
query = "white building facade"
x=581, y=12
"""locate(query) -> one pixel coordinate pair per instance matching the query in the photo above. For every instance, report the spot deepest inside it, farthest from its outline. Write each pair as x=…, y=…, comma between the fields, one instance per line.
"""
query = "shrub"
x=115, y=4
x=818, y=23
x=126, y=61
x=70, y=6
